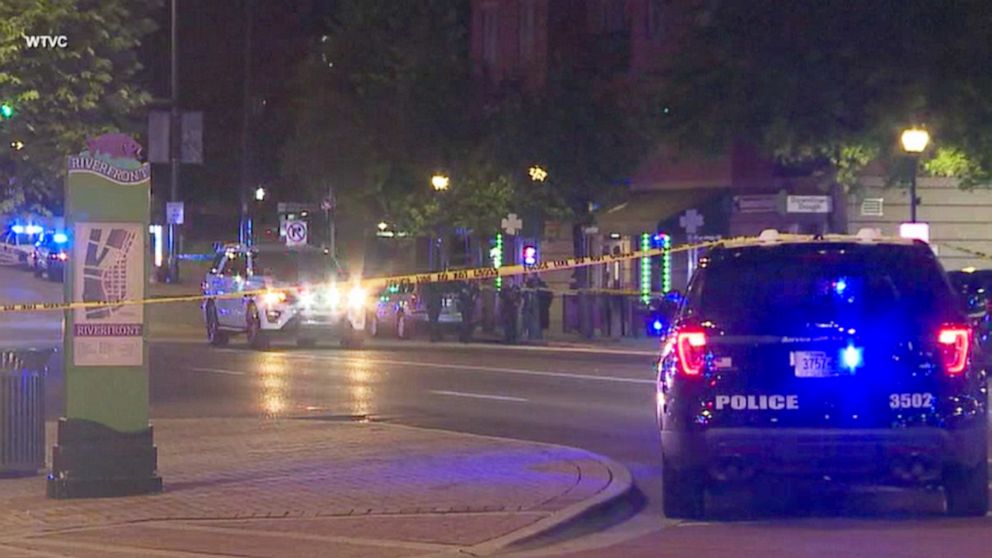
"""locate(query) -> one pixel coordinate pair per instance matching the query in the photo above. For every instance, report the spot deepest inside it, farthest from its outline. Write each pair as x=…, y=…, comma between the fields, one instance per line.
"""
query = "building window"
x=654, y=20
x=490, y=35
x=528, y=16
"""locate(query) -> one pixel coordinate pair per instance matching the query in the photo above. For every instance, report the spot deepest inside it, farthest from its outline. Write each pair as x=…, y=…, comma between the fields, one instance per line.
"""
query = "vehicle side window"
x=235, y=265
x=218, y=261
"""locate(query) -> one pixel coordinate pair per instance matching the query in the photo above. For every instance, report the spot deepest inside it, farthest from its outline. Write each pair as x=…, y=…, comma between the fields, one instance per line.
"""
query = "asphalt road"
x=600, y=402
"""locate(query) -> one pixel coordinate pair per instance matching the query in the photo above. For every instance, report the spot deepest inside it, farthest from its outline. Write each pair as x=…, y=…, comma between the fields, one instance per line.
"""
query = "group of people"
x=528, y=305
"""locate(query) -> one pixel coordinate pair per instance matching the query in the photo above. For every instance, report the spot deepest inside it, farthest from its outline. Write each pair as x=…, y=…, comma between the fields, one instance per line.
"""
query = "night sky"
x=211, y=70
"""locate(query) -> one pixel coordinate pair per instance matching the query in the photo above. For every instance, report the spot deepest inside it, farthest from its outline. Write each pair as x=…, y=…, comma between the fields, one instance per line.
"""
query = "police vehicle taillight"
x=690, y=346
x=954, y=341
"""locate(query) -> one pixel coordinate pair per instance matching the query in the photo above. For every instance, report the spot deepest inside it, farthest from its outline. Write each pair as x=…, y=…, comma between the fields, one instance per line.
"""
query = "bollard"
x=22, y=411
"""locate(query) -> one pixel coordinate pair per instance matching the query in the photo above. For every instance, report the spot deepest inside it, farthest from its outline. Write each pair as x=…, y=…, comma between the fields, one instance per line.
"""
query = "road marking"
x=479, y=395
x=219, y=371
x=466, y=367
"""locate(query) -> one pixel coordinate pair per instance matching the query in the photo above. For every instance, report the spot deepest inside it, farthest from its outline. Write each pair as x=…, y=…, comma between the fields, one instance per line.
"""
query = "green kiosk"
x=105, y=444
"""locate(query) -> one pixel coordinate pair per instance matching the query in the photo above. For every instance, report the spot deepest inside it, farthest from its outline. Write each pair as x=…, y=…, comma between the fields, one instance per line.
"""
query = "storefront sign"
x=808, y=204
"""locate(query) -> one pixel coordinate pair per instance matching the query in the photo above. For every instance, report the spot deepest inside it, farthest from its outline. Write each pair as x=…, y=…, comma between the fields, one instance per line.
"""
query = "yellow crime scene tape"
x=968, y=251
x=470, y=274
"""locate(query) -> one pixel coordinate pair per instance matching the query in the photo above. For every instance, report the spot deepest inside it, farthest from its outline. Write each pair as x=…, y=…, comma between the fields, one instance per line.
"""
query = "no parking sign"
x=296, y=233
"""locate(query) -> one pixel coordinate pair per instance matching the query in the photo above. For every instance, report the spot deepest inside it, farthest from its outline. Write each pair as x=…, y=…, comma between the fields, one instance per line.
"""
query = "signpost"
x=105, y=443
x=175, y=213
x=296, y=233
x=691, y=221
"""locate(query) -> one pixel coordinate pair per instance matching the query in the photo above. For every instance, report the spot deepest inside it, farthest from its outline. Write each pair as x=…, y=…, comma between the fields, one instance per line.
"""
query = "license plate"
x=813, y=364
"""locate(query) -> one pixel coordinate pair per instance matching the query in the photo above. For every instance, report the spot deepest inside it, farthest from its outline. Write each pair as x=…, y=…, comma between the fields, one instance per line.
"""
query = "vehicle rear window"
x=766, y=290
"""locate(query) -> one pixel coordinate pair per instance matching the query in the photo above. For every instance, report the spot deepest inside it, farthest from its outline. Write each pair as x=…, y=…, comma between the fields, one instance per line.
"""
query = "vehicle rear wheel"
x=306, y=342
x=215, y=336
x=684, y=490
x=967, y=490
x=257, y=338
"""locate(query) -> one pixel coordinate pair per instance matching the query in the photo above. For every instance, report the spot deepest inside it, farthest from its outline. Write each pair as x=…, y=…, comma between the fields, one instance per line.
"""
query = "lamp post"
x=914, y=142
x=440, y=183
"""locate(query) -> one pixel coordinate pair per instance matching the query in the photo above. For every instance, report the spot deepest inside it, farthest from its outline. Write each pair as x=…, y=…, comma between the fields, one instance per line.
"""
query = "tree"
x=834, y=82
x=61, y=96
x=386, y=100
x=381, y=105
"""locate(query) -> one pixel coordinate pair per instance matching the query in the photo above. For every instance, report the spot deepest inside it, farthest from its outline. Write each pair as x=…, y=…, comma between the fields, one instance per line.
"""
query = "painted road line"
x=220, y=371
x=479, y=395
x=469, y=367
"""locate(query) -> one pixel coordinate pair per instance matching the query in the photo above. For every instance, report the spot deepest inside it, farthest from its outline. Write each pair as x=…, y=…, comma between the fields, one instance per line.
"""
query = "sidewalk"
x=284, y=488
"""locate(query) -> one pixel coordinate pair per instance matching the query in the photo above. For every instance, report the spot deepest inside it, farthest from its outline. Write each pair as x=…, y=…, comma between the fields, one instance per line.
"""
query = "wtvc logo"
x=46, y=41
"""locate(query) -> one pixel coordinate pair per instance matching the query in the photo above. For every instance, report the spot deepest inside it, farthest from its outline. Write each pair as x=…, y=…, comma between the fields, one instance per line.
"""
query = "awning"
x=644, y=210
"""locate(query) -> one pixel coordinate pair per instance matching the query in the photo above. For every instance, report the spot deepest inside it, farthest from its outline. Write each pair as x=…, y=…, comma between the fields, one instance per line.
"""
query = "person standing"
x=433, y=293
x=468, y=293
x=509, y=307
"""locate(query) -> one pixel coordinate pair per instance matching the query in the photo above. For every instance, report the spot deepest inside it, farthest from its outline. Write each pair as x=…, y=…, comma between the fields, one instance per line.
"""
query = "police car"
x=17, y=244
x=294, y=292
x=845, y=358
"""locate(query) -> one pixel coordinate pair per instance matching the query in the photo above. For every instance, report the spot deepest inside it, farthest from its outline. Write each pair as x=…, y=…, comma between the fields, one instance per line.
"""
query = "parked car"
x=17, y=244
x=269, y=291
x=50, y=256
x=847, y=359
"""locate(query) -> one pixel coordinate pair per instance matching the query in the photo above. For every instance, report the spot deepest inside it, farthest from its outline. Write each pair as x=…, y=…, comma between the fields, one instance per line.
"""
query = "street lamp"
x=259, y=194
x=914, y=142
x=439, y=182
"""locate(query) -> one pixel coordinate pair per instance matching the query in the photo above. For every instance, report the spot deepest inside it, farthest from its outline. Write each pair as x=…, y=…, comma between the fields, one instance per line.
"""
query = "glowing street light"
x=259, y=194
x=914, y=141
x=537, y=174
x=383, y=225
x=439, y=182
x=17, y=145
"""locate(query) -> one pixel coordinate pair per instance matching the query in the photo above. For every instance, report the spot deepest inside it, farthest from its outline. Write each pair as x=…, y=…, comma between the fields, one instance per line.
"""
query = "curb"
x=620, y=486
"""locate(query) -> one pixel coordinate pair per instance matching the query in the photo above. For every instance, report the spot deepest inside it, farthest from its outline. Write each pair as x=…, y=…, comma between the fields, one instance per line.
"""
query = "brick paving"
x=307, y=483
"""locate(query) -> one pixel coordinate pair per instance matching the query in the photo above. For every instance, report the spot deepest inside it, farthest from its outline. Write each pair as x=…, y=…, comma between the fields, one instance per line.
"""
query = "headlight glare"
x=357, y=297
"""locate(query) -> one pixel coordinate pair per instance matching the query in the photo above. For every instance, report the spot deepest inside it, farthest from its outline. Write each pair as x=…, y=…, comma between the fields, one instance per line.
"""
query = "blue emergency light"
x=60, y=238
x=530, y=255
x=851, y=357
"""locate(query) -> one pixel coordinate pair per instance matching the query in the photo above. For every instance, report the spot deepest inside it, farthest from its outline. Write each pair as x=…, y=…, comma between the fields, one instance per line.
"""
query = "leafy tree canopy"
x=61, y=96
x=836, y=81
x=387, y=99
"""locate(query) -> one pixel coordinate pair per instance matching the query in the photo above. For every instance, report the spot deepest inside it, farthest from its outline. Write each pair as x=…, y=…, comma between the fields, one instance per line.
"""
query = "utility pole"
x=331, y=232
x=174, y=142
x=245, y=227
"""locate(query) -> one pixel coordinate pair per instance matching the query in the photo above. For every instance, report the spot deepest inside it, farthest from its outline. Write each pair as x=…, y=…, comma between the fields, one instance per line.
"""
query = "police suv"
x=267, y=291
x=840, y=357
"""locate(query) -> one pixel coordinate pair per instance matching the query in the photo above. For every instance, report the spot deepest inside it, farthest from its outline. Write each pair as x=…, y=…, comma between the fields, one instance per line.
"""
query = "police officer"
x=467, y=294
x=509, y=306
x=433, y=293
x=531, y=313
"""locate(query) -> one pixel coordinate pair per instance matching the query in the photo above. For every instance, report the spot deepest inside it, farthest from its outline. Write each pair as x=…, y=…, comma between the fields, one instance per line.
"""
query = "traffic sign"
x=175, y=213
x=511, y=224
x=296, y=233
